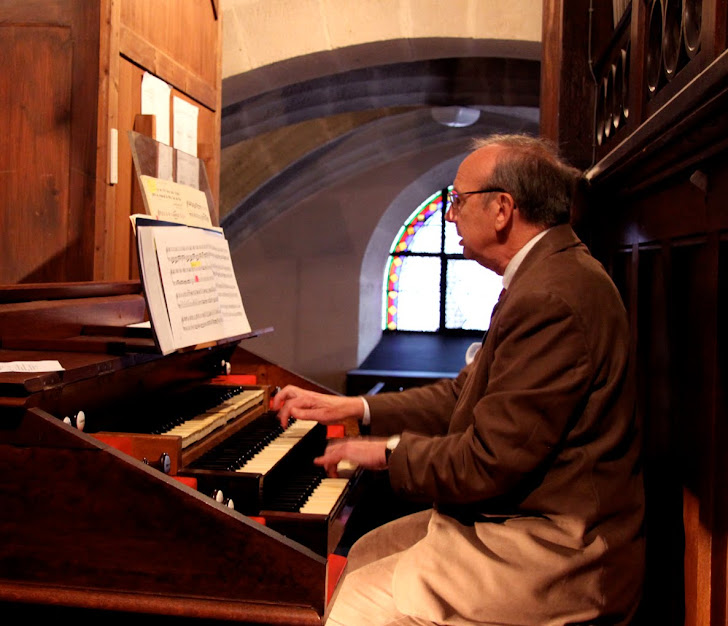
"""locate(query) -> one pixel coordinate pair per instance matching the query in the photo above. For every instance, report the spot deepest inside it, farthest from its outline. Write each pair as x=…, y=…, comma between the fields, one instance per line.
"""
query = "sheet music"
x=31, y=366
x=189, y=286
x=167, y=200
x=153, y=289
x=231, y=303
x=202, y=297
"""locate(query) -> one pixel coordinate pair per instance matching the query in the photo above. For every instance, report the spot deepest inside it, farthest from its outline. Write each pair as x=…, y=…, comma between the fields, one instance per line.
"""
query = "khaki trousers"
x=364, y=597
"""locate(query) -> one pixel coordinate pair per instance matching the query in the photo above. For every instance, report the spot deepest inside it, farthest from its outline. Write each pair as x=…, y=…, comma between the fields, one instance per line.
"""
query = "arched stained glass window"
x=429, y=285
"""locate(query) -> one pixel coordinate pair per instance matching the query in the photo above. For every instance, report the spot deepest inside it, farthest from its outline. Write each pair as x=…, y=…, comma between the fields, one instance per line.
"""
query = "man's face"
x=474, y=213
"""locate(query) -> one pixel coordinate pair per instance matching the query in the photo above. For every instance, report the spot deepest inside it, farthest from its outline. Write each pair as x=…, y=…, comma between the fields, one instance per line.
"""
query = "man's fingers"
x=328, y=464
x=286, y=401
x=309, y=405
x=288, y=392
x=335, y=451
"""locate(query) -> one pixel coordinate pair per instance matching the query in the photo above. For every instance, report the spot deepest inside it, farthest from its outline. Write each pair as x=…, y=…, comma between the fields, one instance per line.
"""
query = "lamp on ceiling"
x=455, y=116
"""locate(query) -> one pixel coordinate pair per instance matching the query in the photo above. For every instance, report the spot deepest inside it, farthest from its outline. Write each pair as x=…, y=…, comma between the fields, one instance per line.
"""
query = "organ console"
x=132, y=483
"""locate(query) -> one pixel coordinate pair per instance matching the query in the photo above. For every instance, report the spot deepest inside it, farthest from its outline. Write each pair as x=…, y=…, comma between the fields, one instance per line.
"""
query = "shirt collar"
x=517, y=259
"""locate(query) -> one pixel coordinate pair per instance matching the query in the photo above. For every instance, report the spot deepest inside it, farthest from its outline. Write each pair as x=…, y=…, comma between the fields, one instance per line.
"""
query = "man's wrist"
x=366, y=417
x=392, y=443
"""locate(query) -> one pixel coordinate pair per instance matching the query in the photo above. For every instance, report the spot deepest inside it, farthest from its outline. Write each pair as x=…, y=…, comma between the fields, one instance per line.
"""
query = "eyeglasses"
x=457, y=200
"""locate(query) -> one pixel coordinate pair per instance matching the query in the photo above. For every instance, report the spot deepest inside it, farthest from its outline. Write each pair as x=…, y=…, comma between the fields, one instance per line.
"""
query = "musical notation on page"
x=192, y=293
x=175, y=202
x=31, y=366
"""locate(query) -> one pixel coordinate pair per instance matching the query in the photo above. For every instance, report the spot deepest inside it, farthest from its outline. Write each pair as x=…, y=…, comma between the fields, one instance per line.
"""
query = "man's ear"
x=504, y=211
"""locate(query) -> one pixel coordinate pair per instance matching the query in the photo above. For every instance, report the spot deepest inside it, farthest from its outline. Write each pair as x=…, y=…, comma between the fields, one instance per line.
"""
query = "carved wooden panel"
x=71, y=74
x=189, y=41
x=186, y=53
x=34, y=190
x=47, y=149
x=668, y=253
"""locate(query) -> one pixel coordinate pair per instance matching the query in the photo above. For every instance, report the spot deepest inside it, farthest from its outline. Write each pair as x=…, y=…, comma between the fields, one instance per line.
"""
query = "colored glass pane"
x=418, y=296
x=471, y=294
x=416, y=291
x=415, y=222
x=452, y=239
x=428, y=237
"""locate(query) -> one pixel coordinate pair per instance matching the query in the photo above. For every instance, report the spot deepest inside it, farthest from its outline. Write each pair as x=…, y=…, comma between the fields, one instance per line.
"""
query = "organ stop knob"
x=77, y=420
x=163, y=464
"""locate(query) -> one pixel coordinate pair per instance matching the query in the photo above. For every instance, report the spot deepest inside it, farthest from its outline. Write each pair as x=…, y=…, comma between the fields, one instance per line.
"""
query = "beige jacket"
x=531, y=458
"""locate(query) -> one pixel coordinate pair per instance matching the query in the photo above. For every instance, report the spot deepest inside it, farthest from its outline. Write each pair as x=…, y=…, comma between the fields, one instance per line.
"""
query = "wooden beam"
x=566, y=79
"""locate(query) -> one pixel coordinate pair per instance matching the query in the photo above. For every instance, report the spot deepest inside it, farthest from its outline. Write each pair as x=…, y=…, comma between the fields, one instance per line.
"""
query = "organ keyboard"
x=324, y=496
x=133, y=513
x=197, y=426
x=266, y=458
x=268, y=472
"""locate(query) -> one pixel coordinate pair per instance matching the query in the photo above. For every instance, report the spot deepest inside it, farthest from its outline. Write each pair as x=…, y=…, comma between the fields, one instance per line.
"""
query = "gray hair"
x=541, y=183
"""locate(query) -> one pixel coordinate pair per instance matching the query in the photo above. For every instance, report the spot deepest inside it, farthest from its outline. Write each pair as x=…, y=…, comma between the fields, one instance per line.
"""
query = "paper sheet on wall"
x=155, y=101
x=184, y=121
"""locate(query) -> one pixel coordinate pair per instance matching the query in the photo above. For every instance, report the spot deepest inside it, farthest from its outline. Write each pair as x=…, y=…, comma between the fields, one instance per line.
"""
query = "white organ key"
x=346, y=468
x=196, y=428
x=264, y=460
x=325, y=496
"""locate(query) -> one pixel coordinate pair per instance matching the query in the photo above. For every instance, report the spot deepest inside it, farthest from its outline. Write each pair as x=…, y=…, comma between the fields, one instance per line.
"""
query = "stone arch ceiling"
x=292, y=125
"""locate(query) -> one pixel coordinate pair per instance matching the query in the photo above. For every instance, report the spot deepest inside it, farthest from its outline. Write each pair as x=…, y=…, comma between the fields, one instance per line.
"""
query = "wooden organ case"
x=641, y=107
x=114, y=520
x=98, y=521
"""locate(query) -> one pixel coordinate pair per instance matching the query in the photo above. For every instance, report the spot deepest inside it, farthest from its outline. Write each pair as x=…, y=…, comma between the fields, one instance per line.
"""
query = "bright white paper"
x=184, y=120
x=202, y=297
x=155, y=101
x=31, y=366
x=235, y=321
x=153, y=289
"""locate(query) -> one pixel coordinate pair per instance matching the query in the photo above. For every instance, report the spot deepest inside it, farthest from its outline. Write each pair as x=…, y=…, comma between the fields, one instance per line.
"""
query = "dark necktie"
x=495, y=308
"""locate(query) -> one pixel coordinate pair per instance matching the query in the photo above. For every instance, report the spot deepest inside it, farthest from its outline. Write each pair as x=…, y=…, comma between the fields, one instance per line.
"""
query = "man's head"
x=507, y=190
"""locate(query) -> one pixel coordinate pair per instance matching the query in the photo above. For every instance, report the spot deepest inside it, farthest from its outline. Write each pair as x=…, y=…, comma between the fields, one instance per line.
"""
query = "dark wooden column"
x=566, y=77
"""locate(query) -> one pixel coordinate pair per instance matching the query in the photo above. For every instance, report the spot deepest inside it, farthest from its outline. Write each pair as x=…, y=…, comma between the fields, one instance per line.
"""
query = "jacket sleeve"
x=425, y=410
x=512, y=414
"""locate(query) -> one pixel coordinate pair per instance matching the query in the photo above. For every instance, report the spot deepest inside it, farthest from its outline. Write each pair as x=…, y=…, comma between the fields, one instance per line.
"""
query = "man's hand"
x=368, y=453
x=303, y=404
